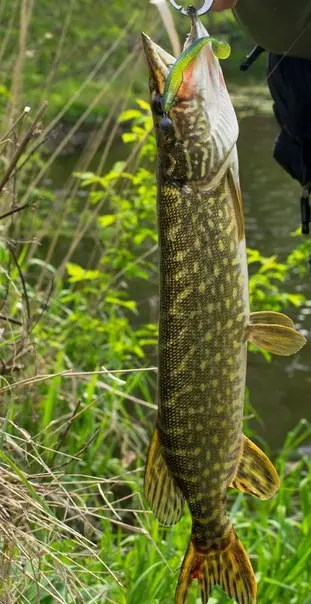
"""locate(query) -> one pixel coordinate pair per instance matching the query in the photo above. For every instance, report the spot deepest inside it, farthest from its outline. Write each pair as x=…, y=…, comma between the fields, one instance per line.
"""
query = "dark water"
x=279, y=390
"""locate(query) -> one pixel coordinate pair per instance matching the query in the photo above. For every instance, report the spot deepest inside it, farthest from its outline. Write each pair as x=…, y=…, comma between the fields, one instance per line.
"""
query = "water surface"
x=280, y=390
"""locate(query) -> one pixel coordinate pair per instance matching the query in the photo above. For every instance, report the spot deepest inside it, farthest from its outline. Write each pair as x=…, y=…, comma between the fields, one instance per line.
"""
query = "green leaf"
x=143, y=104
x=129, y=137
x=130, y=304
x=118, y=167
x=77, y=273
x=295, y=299
x=107, y=220
x=129, y=114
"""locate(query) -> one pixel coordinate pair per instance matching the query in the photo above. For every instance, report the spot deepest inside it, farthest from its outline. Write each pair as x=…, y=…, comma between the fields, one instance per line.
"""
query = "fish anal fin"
x=271, y=317
x=237, y=204
x=161, y=490
x=255, y=475
x=277, y=339
x=228, y=567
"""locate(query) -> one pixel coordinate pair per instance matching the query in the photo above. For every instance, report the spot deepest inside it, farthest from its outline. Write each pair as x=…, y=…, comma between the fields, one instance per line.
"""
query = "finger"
x=223, y=4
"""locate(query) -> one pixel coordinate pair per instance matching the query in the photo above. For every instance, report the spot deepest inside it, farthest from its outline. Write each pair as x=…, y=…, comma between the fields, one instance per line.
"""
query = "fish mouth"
x=160, y=62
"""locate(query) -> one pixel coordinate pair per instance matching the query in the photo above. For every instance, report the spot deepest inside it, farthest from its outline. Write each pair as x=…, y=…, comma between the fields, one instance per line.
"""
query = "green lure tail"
x=174, y=80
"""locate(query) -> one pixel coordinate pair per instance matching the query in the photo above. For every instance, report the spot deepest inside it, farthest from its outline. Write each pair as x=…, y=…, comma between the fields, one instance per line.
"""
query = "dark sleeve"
x=280, y=26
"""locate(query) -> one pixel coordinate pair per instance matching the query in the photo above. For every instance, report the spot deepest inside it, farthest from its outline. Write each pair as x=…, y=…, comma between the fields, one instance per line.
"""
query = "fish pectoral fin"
x=256, y=475
x=163, y=494
x=275, y=338
x=272, y=318
x=237, y=204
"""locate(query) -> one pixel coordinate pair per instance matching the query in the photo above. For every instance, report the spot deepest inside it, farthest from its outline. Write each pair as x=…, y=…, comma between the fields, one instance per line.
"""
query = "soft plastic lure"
x=174, y=80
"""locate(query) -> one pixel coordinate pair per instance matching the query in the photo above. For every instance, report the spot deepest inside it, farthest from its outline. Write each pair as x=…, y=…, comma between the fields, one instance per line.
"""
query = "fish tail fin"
x=228, y=567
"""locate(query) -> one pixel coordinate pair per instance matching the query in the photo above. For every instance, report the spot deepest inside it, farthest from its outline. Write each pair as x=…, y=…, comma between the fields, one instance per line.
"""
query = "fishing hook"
x=185, y=11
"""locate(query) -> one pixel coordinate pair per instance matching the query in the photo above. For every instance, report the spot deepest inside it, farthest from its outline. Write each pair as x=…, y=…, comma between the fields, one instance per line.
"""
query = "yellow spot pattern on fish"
x=181, y=255
x=216, y=271
x=180, y=275
x=184, y=294
x=199, y=427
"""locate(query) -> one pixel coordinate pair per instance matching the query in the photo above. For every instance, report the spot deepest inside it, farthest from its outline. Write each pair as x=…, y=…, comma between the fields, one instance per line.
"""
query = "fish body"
x=198, y=448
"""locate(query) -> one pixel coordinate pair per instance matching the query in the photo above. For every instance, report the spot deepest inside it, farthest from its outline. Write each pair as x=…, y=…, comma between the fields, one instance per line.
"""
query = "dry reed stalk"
x=86, y=222
x=58, y=53
x=63, y=111
x=29, y=533
x=73, y=183
x=169, y=24
x=61, y=146
x=121, y=69
x=8, y=32
x=26, y=9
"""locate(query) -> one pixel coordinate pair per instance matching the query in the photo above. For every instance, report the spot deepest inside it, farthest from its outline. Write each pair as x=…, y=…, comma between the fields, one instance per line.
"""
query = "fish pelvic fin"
x=255, y=475
x=161, y=490
x=278, y=338
x=272, y=318
x=228, y=567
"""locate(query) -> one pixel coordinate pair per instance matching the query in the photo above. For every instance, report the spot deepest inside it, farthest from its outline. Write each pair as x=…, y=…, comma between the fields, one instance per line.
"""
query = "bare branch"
x=22, y=146
x=10, y=320
x=17, y=209
x=21, y=276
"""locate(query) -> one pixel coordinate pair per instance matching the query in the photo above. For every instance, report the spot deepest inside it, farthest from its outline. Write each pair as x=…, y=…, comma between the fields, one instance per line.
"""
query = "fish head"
x=197, y=135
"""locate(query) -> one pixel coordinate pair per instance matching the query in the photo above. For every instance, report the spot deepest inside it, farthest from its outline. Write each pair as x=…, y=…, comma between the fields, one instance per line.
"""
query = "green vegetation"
x=78, y=346
x=81, y=53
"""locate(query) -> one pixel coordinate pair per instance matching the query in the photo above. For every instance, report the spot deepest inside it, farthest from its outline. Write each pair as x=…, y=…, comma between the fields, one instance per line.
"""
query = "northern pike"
x=198, y=449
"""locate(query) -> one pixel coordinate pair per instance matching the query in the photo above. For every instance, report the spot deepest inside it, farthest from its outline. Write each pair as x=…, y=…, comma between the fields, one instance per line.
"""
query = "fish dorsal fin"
x=256, y=475
x=161, y=490
x=276, y=338
x=271, y=317
x=237, y=204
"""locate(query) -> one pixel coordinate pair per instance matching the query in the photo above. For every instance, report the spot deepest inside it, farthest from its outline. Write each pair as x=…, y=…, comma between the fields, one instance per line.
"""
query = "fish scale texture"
x=202, y=348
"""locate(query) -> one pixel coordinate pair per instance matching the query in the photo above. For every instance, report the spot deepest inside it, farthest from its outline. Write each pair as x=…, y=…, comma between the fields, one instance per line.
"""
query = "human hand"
x=223, y=4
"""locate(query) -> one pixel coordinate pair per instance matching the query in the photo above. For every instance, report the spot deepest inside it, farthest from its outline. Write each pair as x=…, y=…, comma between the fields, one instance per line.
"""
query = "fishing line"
x=288, y=50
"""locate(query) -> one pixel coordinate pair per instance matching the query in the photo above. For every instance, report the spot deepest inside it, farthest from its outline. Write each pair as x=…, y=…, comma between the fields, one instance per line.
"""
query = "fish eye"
x=156, y=105
x=165, y=124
